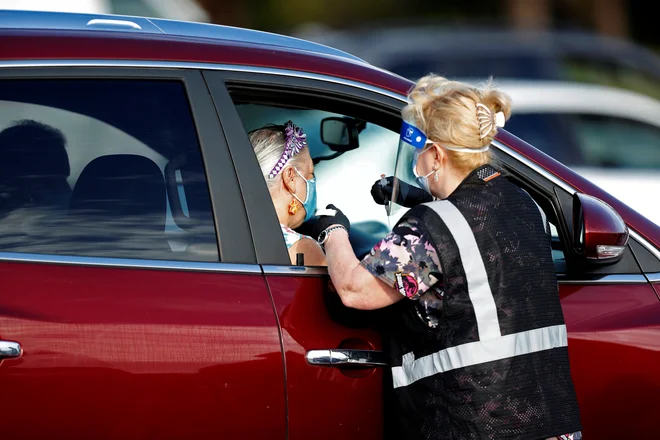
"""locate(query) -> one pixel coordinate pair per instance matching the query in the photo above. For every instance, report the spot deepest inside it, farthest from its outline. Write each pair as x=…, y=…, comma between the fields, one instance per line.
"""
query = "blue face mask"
x=422, y=181
x=310, y=200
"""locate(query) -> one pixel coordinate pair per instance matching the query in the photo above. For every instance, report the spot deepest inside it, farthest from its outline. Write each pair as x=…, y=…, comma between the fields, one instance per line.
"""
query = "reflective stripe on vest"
x=479, y=292
x=492, y=346
x=479, y=352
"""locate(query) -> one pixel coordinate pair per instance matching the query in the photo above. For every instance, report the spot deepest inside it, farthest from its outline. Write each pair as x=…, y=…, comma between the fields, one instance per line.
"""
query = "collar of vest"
x=484, y=173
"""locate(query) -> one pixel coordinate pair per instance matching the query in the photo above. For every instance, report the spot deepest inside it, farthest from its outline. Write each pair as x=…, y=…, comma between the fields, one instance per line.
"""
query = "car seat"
x=118, y=208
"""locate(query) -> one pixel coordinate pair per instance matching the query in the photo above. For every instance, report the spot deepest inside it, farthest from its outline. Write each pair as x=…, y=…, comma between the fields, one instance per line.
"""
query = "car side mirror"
x=601, y=235
x=340, y=134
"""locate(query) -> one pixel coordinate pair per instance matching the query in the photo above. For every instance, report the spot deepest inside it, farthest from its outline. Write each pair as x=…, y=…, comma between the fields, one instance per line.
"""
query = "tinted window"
x=612, y=73
x=549, y=132
x=105, y=168
x=608, y=141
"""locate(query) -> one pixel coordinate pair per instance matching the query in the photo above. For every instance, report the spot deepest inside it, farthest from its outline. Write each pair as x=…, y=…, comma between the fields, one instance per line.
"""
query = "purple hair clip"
x=295, y=140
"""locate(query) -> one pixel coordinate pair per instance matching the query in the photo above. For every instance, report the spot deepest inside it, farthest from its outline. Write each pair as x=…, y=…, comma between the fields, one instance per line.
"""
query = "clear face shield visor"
x=412, y=142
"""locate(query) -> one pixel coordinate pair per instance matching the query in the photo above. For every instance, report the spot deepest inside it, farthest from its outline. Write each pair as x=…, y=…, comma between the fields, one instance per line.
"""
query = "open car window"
x=345, y=180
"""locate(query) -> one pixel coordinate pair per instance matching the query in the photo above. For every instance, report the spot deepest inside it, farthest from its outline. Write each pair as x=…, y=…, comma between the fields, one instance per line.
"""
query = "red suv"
x=146, y=286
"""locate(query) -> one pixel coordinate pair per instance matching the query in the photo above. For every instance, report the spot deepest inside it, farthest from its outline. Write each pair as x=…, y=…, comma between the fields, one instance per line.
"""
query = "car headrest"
x=34, y=163
x=115, y=187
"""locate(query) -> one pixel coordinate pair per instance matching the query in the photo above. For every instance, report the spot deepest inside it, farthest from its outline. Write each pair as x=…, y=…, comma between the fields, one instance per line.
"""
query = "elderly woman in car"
x=288, y=169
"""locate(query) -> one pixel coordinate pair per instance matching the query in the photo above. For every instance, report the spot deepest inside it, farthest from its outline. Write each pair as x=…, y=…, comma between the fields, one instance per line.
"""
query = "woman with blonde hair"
x=478, y=348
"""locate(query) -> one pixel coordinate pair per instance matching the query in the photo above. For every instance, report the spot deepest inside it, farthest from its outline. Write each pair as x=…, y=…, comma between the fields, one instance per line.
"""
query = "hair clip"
x=486, y=120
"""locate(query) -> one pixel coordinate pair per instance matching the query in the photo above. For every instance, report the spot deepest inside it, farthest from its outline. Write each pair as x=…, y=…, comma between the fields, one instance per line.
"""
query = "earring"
x=293, y=206
x=435, y=176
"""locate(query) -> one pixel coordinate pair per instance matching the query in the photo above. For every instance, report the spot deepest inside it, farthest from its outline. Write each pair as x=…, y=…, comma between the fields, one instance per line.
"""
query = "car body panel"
x=142, y=25
x=127, y=352
x=70, y=45
x=323, y=401
x=613, y=347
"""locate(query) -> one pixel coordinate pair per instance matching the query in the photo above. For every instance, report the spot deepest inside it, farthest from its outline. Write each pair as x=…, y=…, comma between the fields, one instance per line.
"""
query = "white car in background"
x=610, y=136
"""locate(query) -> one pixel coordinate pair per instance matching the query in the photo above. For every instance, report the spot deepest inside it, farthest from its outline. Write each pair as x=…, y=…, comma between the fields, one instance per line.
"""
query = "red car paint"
x=315, y=395
x=104, y=361
x=45, y=45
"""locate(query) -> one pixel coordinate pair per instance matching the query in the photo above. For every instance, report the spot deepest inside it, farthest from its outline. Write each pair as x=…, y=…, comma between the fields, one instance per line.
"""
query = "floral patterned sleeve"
x=406, y=260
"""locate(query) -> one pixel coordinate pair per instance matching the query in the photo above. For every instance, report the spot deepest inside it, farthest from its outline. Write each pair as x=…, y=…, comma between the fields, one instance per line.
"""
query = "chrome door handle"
x=10, y=350
x=341, y=357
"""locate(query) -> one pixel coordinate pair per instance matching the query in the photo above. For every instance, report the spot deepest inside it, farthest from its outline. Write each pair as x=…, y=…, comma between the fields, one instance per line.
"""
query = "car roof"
x=55, y=38
x=16, y=19
x=573, y=97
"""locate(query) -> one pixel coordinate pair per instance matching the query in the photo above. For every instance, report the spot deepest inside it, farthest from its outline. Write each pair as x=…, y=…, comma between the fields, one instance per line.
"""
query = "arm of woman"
x=314, y=255
x=356, y=287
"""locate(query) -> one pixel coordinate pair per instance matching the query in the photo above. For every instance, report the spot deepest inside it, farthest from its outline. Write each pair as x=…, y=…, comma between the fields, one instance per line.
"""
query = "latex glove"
x=329, y=217
x=408, y=195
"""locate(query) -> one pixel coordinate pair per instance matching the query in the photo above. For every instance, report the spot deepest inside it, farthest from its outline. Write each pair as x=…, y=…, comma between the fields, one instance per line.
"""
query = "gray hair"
x=268, y=143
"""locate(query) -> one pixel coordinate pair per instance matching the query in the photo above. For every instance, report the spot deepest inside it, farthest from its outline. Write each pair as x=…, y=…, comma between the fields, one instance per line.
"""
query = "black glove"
x=407, y=196
x=323, y=222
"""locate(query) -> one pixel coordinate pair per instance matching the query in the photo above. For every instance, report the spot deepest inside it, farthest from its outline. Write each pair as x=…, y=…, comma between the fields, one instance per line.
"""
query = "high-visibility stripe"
x=479, y=352
x=479, y=291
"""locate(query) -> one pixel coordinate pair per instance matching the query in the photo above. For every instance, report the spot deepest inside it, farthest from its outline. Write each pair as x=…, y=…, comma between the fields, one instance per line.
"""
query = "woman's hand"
x=323, y=222
x=408, y=195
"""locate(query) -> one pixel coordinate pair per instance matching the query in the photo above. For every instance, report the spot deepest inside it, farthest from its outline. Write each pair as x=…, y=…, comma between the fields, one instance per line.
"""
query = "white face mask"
x=422, y=181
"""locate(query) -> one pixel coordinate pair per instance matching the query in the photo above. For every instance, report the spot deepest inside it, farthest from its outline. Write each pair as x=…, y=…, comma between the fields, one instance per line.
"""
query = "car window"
x=551, y=133
x=611, y=73
x=102, y=168
x=345, y=180
x=607, y=141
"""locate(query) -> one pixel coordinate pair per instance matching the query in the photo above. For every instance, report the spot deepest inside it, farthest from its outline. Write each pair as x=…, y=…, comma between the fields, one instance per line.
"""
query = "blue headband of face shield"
x=413, y=136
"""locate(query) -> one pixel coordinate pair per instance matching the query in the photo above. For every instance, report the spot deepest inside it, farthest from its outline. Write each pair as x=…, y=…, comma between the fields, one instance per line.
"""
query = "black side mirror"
x=341, y=134
x=601, y=235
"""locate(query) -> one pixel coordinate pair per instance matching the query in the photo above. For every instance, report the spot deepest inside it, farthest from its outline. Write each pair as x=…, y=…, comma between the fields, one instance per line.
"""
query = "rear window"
x=102, y=168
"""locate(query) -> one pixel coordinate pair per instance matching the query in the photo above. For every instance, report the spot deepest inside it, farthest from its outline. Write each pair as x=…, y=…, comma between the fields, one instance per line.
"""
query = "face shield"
x=412, y=143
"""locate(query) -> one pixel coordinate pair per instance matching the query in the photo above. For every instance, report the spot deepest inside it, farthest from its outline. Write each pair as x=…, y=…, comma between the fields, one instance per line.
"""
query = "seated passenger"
x=34, y=192
x=34, y=166
x=288, y=170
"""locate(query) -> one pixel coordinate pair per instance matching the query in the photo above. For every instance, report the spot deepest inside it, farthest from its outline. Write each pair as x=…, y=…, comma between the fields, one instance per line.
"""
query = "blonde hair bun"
x=457, y=113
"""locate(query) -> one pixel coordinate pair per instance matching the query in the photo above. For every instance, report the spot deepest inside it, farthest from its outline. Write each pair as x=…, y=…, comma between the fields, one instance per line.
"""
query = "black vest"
x=496, y=367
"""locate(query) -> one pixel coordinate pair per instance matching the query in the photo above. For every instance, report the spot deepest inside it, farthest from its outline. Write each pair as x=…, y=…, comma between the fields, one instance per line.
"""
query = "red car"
x=146, y=287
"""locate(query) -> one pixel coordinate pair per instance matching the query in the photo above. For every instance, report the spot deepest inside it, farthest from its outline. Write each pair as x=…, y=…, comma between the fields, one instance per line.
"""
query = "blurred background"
x=584, y=75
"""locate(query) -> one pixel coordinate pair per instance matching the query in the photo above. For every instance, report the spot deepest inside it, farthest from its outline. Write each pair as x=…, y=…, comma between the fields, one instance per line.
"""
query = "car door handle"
x=341, y=357
x=10, y=350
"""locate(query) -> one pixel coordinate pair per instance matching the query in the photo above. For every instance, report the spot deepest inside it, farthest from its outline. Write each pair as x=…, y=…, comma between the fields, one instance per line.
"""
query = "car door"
x=324, y=399
x=612, y=315
x=132, y=305
x=611, y=311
